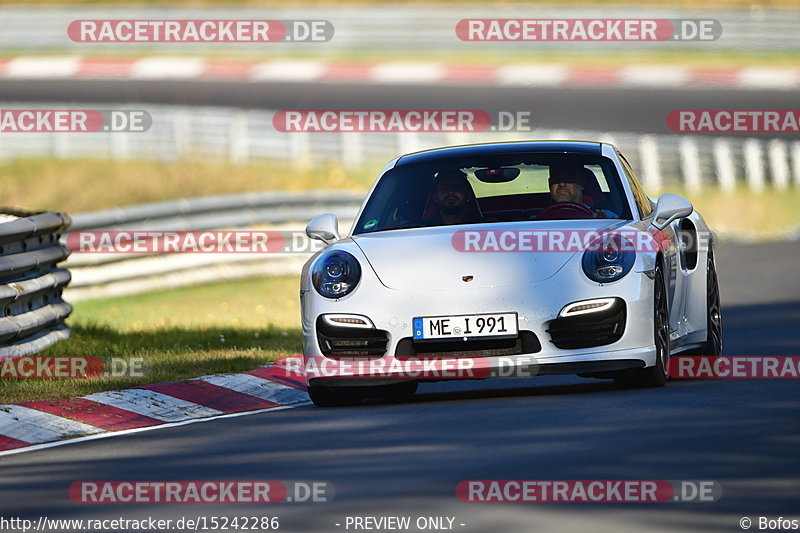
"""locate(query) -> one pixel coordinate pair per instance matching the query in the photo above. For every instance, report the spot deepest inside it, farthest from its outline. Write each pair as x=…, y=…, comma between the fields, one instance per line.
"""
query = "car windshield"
x=495, y=188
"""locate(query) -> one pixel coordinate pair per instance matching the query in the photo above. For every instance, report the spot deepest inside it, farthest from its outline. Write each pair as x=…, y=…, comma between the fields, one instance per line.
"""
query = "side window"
x=597, y=170
x=642, y=201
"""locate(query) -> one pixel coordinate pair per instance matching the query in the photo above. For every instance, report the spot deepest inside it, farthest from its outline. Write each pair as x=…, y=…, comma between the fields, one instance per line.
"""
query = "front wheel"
x=323, y=396
x=400, y=392
x=656, y=375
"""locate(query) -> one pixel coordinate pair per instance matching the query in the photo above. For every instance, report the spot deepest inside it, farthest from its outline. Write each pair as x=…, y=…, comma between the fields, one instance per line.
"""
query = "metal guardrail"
x=240, y=135
x=33, y=311
x=211, y=212
x=115, y=274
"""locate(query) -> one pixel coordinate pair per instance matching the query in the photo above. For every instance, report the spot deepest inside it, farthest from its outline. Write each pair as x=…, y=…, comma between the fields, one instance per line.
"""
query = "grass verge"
x=76, y=185
x=178, y=334
x=742, y=214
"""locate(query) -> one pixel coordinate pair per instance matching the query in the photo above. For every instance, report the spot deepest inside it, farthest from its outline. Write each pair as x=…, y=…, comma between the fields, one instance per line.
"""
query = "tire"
x=324, y=396
x=400, y=391
x=713, y=344
x=656, y=375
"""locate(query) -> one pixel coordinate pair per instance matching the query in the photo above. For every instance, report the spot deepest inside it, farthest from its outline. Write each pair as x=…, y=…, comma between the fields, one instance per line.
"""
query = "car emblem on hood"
x=467, y=279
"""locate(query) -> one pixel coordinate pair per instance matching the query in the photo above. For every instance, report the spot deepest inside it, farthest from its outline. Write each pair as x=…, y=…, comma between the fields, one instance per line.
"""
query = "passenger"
x=454, y=198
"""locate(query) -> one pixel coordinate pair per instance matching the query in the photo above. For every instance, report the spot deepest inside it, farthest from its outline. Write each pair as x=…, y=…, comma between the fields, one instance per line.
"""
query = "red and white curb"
x=33, y=423
x=399, y=73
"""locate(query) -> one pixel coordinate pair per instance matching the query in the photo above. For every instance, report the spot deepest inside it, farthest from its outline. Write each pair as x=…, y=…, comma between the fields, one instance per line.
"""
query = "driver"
x=566, y=183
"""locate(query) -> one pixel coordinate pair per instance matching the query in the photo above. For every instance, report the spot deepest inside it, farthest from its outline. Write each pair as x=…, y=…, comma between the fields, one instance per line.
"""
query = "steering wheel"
x=565, y=210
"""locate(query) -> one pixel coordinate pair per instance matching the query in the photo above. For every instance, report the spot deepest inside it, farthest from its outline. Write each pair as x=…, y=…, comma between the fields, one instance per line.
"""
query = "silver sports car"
x=506, y=259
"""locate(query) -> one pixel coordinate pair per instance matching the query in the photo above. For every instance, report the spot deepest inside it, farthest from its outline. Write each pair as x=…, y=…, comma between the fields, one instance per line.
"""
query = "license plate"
x=496, y=325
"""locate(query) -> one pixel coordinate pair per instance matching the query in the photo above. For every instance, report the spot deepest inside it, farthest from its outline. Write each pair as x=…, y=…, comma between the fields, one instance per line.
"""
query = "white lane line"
x=769, y=78
x=407, y=73
x=42, y=67
x=168, y=67
x=110, y=434
x=288, y=71
x=153, y=404
x=653, y=76
x=532, y=75
x=30, y=425
x=258, y=387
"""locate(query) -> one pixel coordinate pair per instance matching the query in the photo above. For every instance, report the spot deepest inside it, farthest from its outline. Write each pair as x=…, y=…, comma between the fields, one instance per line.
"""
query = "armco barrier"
x=106, y=275
x=31, y=283
x=221, y=211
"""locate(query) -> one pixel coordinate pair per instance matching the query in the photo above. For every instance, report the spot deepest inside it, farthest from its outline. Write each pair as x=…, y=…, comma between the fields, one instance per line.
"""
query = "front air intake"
x=345, y=341
x=590, y=329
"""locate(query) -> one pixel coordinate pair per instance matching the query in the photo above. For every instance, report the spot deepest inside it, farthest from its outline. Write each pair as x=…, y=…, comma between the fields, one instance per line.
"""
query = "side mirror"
x=670, y=207
x=324, y=228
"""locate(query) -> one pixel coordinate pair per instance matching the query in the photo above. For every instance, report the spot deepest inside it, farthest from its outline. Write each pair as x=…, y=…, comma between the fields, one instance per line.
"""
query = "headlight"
x=335, y=274
x=608, y=258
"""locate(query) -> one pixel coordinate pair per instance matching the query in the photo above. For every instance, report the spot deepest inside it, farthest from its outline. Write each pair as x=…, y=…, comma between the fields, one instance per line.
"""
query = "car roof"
x=469, y=150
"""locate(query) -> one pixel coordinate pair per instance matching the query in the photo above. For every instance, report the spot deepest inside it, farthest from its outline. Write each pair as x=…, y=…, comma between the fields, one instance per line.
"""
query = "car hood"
x=426, y=258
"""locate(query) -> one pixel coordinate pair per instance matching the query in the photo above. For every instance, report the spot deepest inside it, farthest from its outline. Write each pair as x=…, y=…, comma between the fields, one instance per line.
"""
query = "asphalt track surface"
x=406, y=459
x=596, y=109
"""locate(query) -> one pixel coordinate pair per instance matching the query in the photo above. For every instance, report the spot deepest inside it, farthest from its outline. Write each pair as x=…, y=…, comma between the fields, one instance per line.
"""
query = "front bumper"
x=537, y=304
